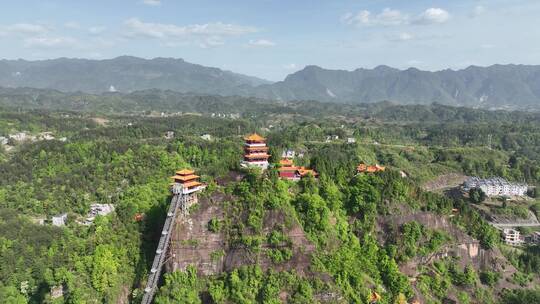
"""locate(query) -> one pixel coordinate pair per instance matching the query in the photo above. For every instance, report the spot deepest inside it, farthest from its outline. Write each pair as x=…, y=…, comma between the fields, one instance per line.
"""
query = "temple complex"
x=287, y=170
x=255, y=152
x=363, y=168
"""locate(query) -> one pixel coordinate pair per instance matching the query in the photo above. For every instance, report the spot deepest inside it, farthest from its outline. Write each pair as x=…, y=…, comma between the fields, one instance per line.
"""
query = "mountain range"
x=497, y=86
x=123, y=74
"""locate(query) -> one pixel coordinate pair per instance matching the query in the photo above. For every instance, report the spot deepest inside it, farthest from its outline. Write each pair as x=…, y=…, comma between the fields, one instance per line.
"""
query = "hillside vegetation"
x=346, y=252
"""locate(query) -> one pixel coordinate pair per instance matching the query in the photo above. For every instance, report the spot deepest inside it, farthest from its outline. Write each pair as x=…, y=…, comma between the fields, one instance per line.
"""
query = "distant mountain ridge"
x=496, y=86
x=125, y=74
x=493, y=87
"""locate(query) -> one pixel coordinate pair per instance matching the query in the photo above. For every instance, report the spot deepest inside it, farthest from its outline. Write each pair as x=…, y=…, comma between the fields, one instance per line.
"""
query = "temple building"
x=287, y=170
x=186, y=182
x=255, y=152
x=363, y=168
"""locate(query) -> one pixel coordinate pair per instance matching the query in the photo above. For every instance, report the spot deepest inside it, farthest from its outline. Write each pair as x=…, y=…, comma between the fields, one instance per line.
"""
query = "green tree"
x=489, y=278
x=104, y=268
x=10, y=295
x=477, y=195
x=313, y=213
x=214, y=225
x=181, y=287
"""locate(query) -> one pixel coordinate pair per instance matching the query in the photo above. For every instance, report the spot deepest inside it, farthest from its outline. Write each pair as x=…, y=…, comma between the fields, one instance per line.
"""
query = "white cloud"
x=261, y=43
x=152, y=2
x=24, y=29
x=211, y=42
x=433, y=15
x=94, y=30
x=160, y=30
x=405, y=36
x=72, y=25
x=391, y=17
x=290, y=66
x=360, y=18
x=478, y=10
x=49, y=42
x=386, y=17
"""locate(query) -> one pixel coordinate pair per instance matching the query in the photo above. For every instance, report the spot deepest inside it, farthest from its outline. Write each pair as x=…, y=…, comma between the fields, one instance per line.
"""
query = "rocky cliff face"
x=192, y=243
x=466, y=249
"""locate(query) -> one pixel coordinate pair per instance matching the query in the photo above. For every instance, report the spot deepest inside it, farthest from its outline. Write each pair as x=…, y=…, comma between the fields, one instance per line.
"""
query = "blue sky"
x=271, y=39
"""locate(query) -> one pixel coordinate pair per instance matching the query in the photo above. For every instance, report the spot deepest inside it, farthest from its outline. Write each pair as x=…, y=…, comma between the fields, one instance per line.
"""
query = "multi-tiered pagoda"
x=186, y=182
x=255, y=152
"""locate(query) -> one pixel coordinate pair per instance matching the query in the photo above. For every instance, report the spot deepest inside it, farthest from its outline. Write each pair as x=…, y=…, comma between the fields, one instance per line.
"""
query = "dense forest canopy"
x=104, y=153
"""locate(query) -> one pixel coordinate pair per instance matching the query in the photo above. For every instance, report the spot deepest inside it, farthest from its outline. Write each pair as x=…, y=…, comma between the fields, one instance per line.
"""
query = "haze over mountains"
x=497, y=86
x=125, y=74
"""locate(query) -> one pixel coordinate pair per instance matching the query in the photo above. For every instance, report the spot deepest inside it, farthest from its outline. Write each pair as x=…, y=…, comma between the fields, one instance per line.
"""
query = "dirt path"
x=445, y=181
x=100, y=121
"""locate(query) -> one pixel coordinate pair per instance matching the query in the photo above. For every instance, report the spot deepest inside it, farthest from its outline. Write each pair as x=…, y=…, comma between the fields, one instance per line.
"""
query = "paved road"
x=510, y=225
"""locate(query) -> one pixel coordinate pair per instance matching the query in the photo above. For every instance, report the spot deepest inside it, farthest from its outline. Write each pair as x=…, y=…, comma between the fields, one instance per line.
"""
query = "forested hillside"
x=348, y=249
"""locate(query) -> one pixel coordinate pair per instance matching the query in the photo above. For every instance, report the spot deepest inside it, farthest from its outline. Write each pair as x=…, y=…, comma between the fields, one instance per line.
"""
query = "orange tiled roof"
x=258, y=155
x=288, y=168
x=303, y=172
x=256, y=148
x=370, y=169
x=192, y=184
x=185, y=172
x=254, y=137
x=286, y=162
x=185, y=177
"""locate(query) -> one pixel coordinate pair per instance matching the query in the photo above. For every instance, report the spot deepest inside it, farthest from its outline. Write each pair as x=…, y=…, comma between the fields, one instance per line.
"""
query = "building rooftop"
x=254, y=137
x=185, y=177
x=304, y=172
x=185, y=172
x=286, y=162
x=257, y=155
x=370, y=169
x=192, y=184
x=473, y=182
x=256, y=148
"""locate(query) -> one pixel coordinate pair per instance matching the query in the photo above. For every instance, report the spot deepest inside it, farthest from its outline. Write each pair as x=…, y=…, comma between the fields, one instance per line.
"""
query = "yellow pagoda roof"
x=256, y=148
x=254, y=137
x=185, y=172
x=303, y=172
x=258, y=155
x=185, y=177
x=191, y=184
x=286, y=162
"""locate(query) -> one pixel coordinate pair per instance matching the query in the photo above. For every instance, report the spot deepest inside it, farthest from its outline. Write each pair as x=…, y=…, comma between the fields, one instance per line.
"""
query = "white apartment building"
x=495, y=186
x=512, y=237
